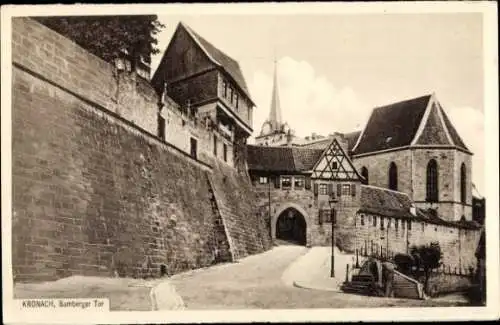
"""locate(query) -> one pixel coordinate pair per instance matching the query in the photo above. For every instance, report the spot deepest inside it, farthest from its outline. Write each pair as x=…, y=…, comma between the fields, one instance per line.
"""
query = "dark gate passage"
x=291, y=227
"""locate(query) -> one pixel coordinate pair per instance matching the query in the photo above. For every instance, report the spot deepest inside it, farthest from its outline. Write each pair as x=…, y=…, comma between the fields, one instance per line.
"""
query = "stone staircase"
x=404, y=286
x=360, y=284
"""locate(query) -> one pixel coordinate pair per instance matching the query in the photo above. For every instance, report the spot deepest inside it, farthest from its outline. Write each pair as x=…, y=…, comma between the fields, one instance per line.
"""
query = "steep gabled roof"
x=334, y=163
x=229, y=65
x=453, y=132
x=392, y=126
x=281, y=159
x=417, y=121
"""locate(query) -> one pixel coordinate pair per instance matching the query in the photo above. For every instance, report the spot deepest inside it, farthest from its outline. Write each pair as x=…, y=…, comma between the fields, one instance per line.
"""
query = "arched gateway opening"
x=291, y=227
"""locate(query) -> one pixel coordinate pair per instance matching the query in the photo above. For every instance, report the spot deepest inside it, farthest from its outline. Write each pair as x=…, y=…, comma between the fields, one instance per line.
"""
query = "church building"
x=404, y=180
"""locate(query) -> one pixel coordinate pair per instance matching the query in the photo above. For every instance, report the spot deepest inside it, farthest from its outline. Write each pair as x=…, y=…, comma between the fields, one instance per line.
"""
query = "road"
x=257, y=282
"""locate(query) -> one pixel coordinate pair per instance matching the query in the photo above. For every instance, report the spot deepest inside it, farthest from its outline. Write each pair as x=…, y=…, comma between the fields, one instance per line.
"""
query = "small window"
x=323, y=189
x=346, y=189
x=375, y=221
x=194, y=148
x=364, y=173
x=263, y=180
x=396, y=224
x=224, y=84
x=335, y=165
x=409, y=224
x=225, y=151
x=231, y=94
x=236, y=100
x=381, y=223
x=215, y=145
x=161, y=127
x=286, y=182
x=299, y=182
x=393, y=177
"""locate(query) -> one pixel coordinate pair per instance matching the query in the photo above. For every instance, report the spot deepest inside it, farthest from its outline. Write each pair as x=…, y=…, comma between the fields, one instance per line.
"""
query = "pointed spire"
x=275, y=114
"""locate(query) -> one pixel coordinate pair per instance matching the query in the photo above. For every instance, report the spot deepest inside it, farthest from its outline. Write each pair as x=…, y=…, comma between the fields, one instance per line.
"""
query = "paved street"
x=257, y=282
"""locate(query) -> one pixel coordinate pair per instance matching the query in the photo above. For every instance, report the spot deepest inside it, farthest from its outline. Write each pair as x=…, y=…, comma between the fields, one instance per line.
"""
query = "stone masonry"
x=95, y=192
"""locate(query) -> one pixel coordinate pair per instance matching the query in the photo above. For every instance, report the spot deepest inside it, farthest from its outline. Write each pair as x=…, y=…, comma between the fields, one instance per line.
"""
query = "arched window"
x=364, y=173
x=463, y=184
x=432, y=181
x=393, y=177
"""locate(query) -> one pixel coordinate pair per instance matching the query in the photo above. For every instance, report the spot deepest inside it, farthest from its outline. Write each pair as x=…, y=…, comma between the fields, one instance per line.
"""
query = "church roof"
x=393, y=125
x=398, y=124
x=229, y=65
x=282, y=159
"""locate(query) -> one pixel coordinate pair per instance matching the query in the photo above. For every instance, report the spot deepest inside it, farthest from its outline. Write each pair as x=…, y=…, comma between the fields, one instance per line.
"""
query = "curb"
x=164, y=297
x=309, y=286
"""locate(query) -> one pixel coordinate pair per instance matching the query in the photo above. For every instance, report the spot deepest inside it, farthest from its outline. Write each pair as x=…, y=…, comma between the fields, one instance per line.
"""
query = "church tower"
x=274, y=132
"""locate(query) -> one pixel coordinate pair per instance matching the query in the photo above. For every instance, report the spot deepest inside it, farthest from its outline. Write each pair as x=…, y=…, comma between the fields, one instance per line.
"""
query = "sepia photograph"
x=219, y=162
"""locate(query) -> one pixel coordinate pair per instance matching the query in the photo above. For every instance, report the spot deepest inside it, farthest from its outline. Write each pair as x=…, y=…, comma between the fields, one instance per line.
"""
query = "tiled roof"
x=317, y=144
x=388, y=203
x=229, y=65
x=385, y=202
x=453, y=132
x=351, y=138
x=283, y=159
x=393, y=125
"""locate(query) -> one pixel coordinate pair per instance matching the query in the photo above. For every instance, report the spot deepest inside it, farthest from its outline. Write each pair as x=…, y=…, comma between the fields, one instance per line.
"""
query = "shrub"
x=404, y=262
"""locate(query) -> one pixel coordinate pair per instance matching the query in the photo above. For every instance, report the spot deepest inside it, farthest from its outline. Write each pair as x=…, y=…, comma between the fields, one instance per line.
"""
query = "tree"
x=404, y=263
x=107, y=36
x=428, y=258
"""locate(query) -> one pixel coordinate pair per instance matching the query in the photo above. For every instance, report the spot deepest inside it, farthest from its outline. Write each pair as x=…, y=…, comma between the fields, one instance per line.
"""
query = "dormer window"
x=231, y=94
x=236, y=100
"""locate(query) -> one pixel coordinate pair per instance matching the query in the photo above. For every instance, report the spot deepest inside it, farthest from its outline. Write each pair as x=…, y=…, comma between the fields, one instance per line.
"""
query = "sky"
x=334, y=69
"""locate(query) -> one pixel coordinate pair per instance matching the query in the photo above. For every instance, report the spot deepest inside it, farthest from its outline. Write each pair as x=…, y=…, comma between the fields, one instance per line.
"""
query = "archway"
x=291, y=227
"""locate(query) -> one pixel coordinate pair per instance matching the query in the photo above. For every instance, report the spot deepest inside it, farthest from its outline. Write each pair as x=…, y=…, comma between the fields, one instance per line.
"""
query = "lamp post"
x=331, y=201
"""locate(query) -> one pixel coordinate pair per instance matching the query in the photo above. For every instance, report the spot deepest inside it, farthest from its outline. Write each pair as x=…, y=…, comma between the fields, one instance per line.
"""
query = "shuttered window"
x=330, y=189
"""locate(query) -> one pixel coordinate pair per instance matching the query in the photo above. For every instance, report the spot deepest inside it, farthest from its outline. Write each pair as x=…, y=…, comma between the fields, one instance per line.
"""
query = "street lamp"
x=332, y=201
